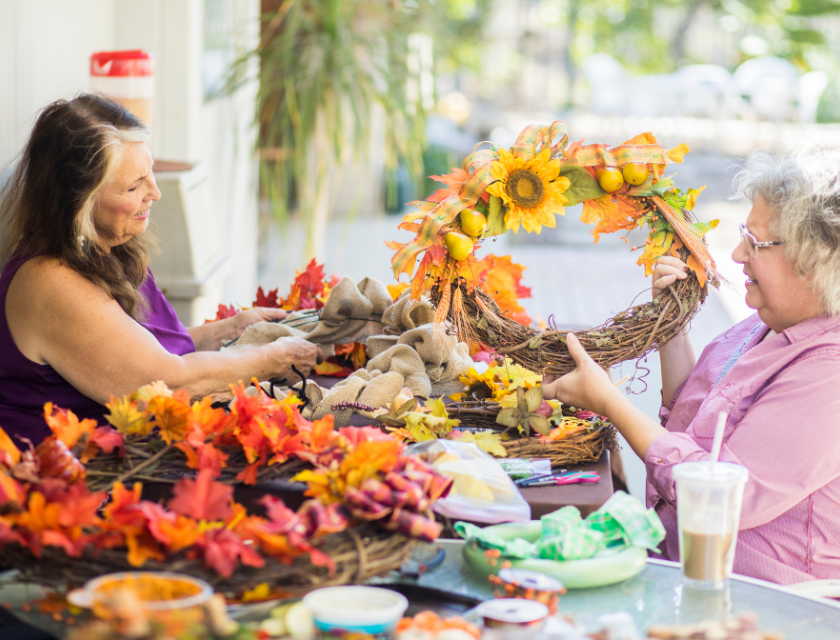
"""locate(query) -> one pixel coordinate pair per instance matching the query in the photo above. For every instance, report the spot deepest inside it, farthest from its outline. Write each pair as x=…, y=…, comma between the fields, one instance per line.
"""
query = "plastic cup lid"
x=531, y=580
x=710, y=472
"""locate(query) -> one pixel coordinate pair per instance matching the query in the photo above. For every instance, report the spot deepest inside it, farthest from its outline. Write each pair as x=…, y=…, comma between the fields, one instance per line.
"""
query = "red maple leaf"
x=104, y=439
x=202, y=498
x=209, y=457
x=311, y=280
x=271, y=300
x=224, y=312
x=222, y=547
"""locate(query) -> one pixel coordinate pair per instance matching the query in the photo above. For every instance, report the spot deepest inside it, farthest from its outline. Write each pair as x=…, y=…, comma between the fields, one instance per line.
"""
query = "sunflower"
x=530, y=189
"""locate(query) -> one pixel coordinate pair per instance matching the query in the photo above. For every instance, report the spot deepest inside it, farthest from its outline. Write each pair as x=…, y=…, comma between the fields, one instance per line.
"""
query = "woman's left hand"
x=587, y=387
x=245, y=319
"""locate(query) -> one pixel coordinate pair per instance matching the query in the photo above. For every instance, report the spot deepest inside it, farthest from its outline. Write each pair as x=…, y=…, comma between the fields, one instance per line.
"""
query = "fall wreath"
x=499, y=190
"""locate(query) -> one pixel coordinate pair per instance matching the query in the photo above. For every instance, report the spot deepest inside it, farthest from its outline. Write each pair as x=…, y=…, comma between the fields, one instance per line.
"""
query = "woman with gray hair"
x=80, y=315
x=776, y=375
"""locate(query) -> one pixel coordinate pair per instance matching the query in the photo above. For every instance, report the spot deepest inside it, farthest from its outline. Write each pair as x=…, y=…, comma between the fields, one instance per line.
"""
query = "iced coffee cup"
x=709, y=498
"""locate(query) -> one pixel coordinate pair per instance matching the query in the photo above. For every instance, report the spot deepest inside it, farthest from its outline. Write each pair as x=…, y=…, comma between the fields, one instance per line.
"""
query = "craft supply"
x=513, y=612
x=580, y=478
x=341, y=611
x=520, y=469
x=528, y=585
x=570, y=477
x=526, y=481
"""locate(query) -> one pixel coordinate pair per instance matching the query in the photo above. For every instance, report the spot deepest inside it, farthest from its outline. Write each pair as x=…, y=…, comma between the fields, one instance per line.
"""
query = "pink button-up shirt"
x=783, y=399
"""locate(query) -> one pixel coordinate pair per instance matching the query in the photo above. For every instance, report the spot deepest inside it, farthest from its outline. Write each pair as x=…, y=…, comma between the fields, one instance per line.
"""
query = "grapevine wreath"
x=499, y=190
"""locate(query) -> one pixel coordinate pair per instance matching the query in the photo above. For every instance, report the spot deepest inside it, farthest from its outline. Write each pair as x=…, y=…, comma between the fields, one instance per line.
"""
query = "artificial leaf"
x=583, y=185
x=202, y=498
x=691, y=197
x=104, y=439
x=508, y=417
x=438, y=408
x=533, y=398
x=249, y=474
x=223, y=312
x=221, y=548
x=9, y=453
x=331, y=369
x=611, y=213
x=148, y=392
x=127, y=418
x=79, y=506
x=539, y=424
x=395, y=290
x=703, y=228
x=485, y=440
x=189, y=451
x=311, y=281
x=271, y=300
x=677, y=153
x=170, y=415
x=12, y=494
x=66, y=426
x=697, y=268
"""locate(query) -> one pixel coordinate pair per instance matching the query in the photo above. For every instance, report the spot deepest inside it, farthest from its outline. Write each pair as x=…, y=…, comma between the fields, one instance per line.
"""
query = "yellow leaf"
x=677, y=153
x=491, y=443
x=261, y=592
x=438, y=408
x=697, y=268
x=395, y=290
x=692, y=196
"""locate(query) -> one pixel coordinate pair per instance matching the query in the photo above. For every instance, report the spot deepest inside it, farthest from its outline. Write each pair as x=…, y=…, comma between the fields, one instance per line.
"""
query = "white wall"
x=44, y=55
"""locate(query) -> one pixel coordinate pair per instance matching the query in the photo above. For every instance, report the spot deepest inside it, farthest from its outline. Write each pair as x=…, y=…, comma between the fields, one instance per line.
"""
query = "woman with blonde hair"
x=776, y=375
x=80, y=315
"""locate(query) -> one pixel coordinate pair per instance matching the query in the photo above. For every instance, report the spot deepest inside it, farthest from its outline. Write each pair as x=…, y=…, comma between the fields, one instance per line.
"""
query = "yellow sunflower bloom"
x=530, y=189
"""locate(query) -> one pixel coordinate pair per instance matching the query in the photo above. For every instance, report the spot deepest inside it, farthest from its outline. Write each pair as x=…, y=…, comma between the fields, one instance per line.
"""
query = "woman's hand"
x=245, y=319
x=301, y=353
x=587, y=387
x=666, y=272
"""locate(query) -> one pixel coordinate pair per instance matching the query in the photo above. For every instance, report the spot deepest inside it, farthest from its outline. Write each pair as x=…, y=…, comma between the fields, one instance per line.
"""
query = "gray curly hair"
x=801, y=184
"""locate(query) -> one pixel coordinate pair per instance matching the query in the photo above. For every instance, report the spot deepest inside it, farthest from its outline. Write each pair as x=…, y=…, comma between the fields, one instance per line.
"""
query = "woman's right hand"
x=666, y=272
x=301, y=353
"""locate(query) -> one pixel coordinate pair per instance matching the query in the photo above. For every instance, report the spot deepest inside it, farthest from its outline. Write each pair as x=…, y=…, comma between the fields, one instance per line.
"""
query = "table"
x=654, y=596
x=657, y=596
x=587, y=497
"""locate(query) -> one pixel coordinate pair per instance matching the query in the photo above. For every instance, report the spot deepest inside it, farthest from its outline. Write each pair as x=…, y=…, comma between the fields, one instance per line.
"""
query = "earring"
x=80, y=241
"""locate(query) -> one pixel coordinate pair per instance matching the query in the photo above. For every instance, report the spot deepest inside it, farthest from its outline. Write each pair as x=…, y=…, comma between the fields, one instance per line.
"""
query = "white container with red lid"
x=127, y=76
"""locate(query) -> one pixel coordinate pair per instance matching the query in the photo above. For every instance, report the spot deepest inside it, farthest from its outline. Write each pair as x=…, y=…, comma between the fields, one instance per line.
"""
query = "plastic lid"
x=710, y=472
x=356, y=605
x=513, y=610
x=122, y=64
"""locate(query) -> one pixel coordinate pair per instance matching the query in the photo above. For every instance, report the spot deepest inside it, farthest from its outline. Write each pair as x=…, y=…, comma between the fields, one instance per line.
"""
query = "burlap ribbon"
x=352, y=313
x=426, y=360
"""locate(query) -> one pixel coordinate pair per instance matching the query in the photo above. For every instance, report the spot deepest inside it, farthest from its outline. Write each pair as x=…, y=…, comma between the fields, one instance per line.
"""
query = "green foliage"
x=584, y=186
x=326, y=67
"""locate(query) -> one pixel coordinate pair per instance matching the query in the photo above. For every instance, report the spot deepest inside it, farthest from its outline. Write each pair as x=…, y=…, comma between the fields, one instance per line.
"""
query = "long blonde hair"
x=47, y=207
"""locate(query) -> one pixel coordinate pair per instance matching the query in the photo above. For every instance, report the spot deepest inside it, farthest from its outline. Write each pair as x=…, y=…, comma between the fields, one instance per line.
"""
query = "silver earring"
x=80, y=240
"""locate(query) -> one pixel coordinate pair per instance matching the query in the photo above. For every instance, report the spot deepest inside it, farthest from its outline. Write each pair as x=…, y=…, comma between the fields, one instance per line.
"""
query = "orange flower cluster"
x=268, y=431
x=202, y=521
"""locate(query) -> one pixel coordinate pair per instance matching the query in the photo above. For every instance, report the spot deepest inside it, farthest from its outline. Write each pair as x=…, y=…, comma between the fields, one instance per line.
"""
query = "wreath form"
x=629, y=335
x=359, y=553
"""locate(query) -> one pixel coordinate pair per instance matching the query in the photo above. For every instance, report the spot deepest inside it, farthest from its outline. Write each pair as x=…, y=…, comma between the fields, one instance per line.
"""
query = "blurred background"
x=301, y=128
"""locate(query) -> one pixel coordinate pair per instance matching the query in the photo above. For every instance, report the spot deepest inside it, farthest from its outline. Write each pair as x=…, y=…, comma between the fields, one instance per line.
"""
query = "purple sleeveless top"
x=25, y=385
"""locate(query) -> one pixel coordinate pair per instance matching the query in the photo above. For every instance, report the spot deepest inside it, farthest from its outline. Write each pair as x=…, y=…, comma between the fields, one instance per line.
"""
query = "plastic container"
x=128, y=77
x=338, y=611
x=185, y=591
x=709, y=496
x=513, y=612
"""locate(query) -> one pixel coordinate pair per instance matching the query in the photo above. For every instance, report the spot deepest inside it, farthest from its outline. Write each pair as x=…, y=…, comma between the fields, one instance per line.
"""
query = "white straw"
x=721, y=425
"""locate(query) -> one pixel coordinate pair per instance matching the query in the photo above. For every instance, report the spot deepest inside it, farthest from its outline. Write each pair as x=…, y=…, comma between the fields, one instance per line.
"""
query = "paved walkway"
x=581, y=284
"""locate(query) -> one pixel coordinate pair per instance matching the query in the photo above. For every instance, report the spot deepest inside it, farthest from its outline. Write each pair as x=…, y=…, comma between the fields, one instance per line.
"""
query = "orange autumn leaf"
x=697, y=268
x=148, y=392
x=142, y=548
x=354, y=351
x=611, y=212
x=190, y=452
x=502, y=282
x=9, y=453
x=12, y=494
x=170, y=415
x=202, y=498
x=395, y=290
x=104, y=439
x=677, y=154
x=66, y=426
x=323, y=432
x=79, y=506
x=327, y=368
x=249, y=474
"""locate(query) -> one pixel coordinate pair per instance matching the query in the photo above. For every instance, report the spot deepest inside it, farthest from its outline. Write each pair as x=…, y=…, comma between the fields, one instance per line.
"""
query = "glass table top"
x=656, y=595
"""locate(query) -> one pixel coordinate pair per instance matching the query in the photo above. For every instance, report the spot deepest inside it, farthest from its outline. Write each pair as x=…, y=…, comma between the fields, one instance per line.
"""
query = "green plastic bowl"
x=610, y=566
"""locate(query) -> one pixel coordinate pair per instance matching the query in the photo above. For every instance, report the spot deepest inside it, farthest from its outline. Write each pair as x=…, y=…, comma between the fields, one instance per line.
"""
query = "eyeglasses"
x=754, y=245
